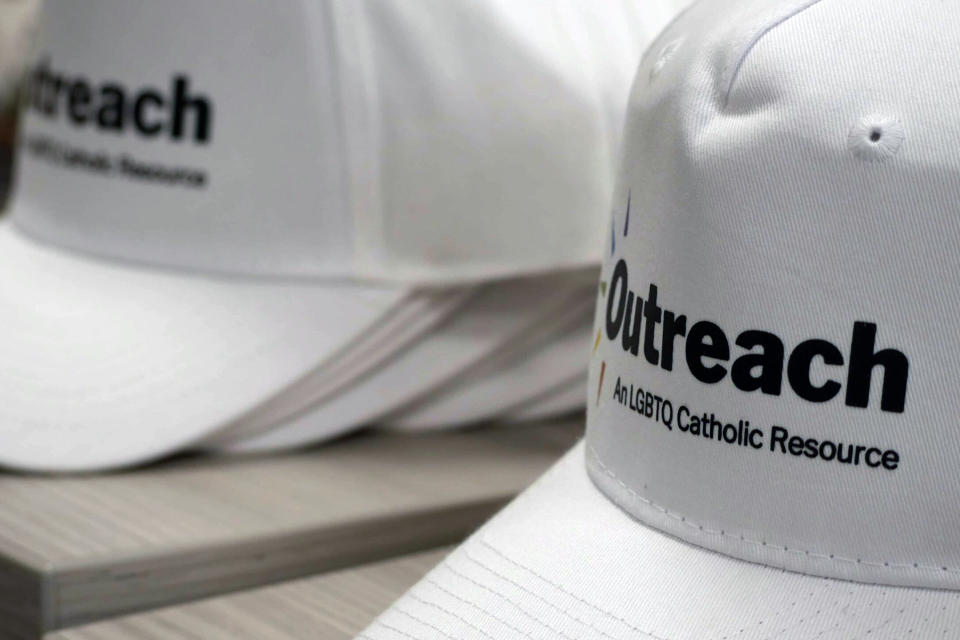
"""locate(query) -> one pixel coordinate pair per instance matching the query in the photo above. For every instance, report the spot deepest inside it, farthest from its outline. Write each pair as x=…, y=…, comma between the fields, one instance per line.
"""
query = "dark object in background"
x=7, y=133
x=18, y=19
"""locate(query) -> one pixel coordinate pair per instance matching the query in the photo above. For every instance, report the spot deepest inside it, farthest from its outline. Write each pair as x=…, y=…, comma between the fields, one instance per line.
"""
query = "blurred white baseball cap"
x=563, y=399
x=771, y=448
x=216, y=197
x=495, y=316
x=523, y=369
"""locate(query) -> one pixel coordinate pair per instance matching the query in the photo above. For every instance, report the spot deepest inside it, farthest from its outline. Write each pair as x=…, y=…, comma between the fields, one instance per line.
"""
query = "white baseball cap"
x=215, y=197
x=490, y=319
x=771, y=446
x=563, y=399
x=509, y=378
x=405, y=328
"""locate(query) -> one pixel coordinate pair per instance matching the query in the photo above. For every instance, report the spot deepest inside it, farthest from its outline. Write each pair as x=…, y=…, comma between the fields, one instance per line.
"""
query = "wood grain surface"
x=334, y=606
x=78, y=549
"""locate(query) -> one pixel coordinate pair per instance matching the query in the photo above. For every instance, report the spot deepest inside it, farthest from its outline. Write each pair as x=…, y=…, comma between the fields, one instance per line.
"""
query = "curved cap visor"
x=562, y=399
x=485, y=323
x=342, y=374
x=107, y=365
x=527, y=374
x=562, y=561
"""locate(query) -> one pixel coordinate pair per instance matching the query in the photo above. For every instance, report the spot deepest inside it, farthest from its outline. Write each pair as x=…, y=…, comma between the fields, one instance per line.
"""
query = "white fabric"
x=562, y=561
x=789, y=178
x=415, y=319
x=565, y=398
x=761, y=202
x=418, y=142
x=106, y=366
x=320, y=146
x=491, y=318
x=556, y=353
x=548, y=322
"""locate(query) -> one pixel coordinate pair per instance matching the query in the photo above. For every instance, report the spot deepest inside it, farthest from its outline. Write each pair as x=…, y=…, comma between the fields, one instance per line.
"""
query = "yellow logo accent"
x=603, y=370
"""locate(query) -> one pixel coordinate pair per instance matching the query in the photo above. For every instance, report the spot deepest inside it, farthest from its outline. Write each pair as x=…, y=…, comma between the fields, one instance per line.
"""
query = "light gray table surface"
x=78, y=549
x=333, y=606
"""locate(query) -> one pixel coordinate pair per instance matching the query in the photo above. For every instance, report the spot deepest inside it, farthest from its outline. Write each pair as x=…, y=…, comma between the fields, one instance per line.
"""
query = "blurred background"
x=17, y=25
x=318, y=506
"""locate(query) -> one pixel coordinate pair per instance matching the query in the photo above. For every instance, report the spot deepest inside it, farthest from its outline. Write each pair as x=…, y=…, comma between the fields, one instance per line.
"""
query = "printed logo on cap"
x=638, y=324
x=773, y=377
x=177, y=113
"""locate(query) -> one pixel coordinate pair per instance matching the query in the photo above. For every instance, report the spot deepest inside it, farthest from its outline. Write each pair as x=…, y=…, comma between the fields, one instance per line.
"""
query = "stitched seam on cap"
x=395, y=630
x=883, y=624
x=485, y=612
x=508, y=600
x=423, y=622
x=683, y=520
x=564, y=591
x=452, y=614
x=542, y=599
x=757, y=37
x=766, y=619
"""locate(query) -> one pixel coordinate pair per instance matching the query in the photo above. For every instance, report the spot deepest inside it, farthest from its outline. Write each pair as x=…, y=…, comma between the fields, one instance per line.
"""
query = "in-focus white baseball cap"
x=771, y=446
x=214, y=197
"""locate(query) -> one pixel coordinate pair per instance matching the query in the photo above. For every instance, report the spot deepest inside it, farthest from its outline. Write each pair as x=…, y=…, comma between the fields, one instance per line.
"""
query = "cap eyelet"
x=876, y=138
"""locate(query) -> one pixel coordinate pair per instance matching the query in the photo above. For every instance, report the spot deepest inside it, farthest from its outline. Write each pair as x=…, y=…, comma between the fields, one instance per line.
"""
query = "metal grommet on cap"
x=875, y=138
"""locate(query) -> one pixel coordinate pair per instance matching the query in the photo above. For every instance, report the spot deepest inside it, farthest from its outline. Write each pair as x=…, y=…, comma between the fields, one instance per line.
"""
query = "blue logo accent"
x=613, y=235
x=626, y=224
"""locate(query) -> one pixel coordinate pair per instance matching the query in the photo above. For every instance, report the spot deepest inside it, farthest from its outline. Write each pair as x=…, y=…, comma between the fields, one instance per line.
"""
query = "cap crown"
x=413, y=141
x=775, y=377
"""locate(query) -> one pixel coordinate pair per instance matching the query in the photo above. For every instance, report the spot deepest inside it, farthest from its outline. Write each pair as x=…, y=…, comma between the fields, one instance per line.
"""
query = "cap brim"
x=108, y=365
x=562, y=399
x=510, y=382
x=562, y=561
x=340, y=375
x=496, y=313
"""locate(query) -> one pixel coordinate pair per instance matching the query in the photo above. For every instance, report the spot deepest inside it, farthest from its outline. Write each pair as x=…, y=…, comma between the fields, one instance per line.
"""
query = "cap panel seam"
x=325, y=13
x=357, y=81
x=683, y=520
x=732, y=70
